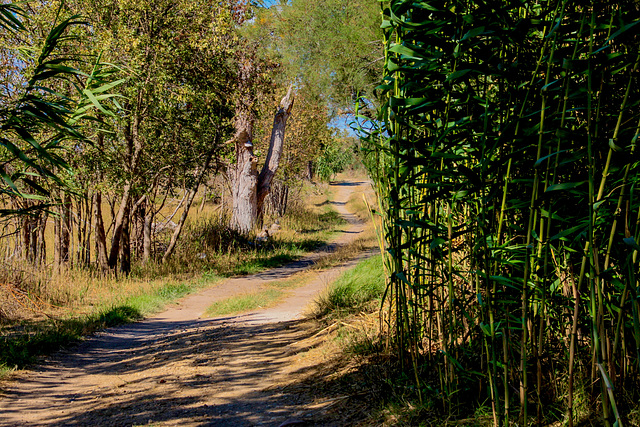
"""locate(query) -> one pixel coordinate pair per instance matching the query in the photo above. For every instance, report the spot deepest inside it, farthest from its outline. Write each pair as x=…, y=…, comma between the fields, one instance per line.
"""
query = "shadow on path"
x=224, y=354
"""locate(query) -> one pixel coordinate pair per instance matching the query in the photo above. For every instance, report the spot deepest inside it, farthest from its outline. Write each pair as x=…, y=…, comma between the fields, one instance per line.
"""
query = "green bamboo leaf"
x=9, y=14
x=9, y=181
x=436, y=242
x=564, y=186
x=542, y=159
x=457, y=74
x=622, y=30
x=403, y=50
x=108, y=86
x=569, y=232
x=613, y=146
x=96, y=103
x=473, y=33
x=553, y=215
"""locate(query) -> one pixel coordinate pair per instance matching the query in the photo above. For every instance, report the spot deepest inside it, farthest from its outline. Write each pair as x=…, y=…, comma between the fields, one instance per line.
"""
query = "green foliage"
x=38, y=119
x=330, y=46
x=507, y=167
x=354, y=289
x=335, y=156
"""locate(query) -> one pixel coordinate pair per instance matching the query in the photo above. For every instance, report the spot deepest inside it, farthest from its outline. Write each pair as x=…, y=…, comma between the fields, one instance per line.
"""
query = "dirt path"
x=177, y=368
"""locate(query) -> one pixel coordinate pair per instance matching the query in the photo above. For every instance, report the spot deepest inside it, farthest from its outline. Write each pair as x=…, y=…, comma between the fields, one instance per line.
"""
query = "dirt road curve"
x=179, y=369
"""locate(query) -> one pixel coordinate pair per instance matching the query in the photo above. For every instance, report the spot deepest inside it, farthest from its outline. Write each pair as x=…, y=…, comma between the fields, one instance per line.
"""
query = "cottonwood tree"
x=249, y=187
x=331, y=47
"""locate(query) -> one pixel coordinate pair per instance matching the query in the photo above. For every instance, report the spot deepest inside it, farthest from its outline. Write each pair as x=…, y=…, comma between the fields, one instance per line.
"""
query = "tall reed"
x=506, y=161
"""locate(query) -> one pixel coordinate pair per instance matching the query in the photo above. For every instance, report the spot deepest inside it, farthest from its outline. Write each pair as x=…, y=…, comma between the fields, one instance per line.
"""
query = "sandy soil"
x=178, y=368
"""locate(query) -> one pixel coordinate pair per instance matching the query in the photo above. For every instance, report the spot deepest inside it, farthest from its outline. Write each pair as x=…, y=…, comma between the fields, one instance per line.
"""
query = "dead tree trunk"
x=248, y=188
x=276, y=146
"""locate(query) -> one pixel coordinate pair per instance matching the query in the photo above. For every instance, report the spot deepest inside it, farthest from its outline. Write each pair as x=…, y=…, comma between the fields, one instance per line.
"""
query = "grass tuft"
x=354, y=289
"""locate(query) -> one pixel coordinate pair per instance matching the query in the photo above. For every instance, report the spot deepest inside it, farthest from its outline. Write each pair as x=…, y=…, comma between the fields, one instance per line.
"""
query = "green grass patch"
x=147, y=303
x=354, y=289
x=270, y=295
x=246, y=302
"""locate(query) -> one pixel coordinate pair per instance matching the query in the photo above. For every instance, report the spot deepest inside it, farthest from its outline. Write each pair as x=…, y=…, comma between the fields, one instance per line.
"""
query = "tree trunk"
x=310, y=170
x=27, y=234
x=65, y=230
x=136, y=148
x=204, y=199
x=87, y=230
x=276, y=146
x=98, y=227
x=56, y=241
x=125, y=243
x=146, y=235
x=249, y=189
x=41, y=247
x=245, y=197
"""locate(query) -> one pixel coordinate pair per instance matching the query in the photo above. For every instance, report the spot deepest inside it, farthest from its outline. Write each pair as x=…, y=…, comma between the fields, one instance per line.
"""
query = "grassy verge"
x=268, y=296
x=245, y=302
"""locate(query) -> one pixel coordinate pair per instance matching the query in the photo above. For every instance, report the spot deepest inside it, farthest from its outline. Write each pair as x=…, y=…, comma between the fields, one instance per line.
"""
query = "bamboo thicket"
x=506, y=161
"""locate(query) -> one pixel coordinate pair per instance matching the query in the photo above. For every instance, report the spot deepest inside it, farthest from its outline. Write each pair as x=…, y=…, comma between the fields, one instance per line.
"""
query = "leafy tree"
x=332, y=47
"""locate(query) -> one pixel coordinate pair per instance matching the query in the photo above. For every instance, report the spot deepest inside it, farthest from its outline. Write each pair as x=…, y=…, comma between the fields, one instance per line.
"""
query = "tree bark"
x=136, y=143
x=249, y=189
x=276, y=146
x=98, y=227
x=310, y=170
x=146, y=235
x=65, y=230
x=125, y=243
x=42, y=246
x=245, y=197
